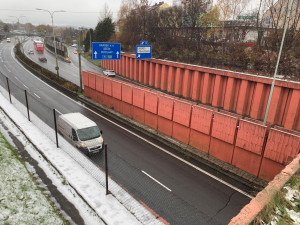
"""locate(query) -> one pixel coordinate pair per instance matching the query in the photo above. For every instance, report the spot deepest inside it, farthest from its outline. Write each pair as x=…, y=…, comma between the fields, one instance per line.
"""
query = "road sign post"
x=143, y=52
x=106, y=51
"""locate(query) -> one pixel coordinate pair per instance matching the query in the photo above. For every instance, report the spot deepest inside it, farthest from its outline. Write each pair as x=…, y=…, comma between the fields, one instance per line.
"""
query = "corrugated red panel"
x=182, y=112
x=151, y=101
x=165, y=126
x=99, y=83
x=181, y=133
x=224, y=127
x=107, y=87
x=138, y=114
x=127, y=109
x=165, y=107
x=85, y=78
x=87, y=92
x=201, y=119
x=199, y=140
x=127, y=93
x=92, y=81
x=116, y=89
x=151, y=119
x=138, y=97
x=282, y=147
x=251, y=136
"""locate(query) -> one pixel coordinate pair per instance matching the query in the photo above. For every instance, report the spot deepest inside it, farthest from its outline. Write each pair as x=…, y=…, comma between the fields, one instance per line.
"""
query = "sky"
x=79, y=13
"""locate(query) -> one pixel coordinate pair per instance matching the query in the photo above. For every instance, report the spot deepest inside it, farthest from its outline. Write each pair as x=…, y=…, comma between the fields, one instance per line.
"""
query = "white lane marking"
x=17, y=78
x=36, y=95
x=149, y=142
x=156, y=181
x=25, y=86
x=7, y=68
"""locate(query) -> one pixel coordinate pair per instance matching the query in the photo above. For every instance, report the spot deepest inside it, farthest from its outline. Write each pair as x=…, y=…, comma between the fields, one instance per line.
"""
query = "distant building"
x=182, y=2
x=274, y=17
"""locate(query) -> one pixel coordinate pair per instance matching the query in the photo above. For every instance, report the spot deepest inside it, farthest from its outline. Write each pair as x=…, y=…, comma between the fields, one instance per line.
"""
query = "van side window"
x=74, y=135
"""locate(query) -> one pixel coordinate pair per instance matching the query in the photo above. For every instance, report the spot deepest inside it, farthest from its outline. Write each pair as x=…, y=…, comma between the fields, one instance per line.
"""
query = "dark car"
x=43, y=59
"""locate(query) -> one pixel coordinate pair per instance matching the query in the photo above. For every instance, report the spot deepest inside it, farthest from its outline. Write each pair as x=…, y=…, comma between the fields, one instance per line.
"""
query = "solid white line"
x=149, y=142
x=156, y=181
x=36, y=95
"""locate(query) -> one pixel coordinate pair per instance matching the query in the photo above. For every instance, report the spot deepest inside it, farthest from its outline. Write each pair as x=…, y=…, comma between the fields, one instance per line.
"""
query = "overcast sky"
x=79, y=12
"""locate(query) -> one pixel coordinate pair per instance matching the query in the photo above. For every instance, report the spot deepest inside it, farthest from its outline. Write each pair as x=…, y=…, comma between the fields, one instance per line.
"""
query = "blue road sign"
x=79, y=47
x=106, y=51
x=143, y=52
x=143, y=42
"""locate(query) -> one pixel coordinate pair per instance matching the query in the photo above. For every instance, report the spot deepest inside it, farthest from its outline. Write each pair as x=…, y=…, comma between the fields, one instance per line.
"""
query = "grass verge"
x=89, y=58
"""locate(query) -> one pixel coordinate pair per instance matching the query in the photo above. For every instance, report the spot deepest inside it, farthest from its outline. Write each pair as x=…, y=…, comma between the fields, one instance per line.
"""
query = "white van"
x=8, y=40
x=81, y=132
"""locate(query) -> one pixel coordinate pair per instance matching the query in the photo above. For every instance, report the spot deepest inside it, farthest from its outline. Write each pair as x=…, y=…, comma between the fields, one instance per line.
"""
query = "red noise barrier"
x=244, y=94
x=257, y=149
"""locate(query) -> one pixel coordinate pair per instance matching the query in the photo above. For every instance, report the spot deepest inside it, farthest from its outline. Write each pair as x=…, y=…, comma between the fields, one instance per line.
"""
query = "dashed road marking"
x=36, y=95
x=156, y=180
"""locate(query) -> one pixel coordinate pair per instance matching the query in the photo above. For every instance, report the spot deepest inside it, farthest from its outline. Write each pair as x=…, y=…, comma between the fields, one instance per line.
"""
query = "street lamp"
x=18, y=18
x=286, y=24
x=51, y=14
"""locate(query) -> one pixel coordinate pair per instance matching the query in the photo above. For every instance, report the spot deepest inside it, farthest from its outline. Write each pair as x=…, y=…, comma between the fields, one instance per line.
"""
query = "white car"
x=30, y=51
x=109, y=73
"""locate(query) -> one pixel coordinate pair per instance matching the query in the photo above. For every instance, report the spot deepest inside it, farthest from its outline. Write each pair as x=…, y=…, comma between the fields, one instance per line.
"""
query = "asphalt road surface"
x=177, y=190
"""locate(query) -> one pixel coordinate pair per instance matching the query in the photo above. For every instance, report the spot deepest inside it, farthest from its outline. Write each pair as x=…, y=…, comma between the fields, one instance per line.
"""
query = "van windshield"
x=88, y=133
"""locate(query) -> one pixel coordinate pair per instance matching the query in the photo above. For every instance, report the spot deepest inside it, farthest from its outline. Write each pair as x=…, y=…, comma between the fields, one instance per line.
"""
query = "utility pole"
x=287, y=19
x=80, y=74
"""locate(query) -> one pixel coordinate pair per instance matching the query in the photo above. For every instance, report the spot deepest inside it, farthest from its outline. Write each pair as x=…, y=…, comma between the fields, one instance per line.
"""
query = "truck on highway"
x=80, y=131
x=38, y=46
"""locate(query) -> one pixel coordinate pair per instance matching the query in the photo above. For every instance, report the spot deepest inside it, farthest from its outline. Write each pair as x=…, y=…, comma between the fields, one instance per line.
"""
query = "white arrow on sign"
x=95, y=53
x=118, y=54
x=139, y=55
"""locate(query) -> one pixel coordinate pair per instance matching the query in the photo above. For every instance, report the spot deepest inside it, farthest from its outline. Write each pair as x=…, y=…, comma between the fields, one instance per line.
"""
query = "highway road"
x=69, y=71
x=178, y=190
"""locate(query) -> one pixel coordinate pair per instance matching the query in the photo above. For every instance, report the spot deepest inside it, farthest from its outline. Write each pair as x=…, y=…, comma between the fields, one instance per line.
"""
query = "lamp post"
x=286, y=24
x=54, y=42
x=18, y=26
x=18, y=18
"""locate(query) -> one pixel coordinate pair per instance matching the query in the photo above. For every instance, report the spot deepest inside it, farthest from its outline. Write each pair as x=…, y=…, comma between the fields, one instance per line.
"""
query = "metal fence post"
x=27, y=105
x=106, y=169
x=8, y=89
x=55, y=125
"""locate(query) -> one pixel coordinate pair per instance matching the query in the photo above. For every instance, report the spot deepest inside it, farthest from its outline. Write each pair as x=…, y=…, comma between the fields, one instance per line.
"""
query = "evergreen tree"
x=104, y=30
x=88, y=38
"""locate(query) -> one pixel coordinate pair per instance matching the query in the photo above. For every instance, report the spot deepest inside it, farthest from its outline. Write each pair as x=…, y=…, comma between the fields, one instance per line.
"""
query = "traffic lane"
x=66, y=70
x=196, y=189
x=85, y=64
x=47, y=95
x=138, y=149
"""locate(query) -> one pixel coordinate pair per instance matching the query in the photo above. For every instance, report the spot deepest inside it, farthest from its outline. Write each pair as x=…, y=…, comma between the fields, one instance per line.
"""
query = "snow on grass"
x=21, y=201
x=78, y=171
